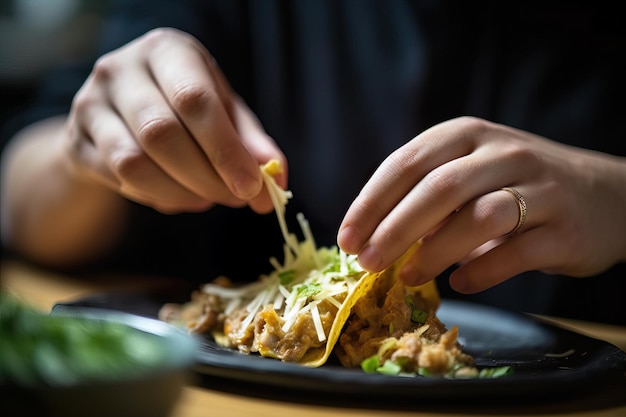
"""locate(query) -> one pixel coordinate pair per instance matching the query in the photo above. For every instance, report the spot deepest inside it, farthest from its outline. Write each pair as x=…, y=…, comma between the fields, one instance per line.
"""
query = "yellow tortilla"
x=317, y=357
x=196, y=318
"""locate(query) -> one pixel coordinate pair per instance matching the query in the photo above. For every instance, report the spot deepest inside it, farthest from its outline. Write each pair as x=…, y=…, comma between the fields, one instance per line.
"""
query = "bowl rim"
x=181, y=347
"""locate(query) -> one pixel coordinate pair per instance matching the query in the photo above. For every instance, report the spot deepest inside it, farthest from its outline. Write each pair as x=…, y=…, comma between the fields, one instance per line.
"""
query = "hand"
x=445, y=185
x=157, y=122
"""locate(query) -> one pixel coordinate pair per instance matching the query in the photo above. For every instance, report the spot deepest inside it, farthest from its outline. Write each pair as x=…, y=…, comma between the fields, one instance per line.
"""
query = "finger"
x=183, y=77
x=91, y=117
x=110, y=152
x=440, y=193
x=253, y=136
x=85, y=157
x=483, y=219
x=263, y=147
x=532, y=250
x=161, y=135
x=545, y=242
x=393, y=180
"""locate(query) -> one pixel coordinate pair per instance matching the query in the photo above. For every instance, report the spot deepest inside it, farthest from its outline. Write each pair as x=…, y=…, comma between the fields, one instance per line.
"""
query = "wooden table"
x=43, y=289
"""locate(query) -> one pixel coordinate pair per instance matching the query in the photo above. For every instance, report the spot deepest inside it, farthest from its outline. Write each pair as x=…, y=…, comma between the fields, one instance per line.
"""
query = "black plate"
x=547, y=360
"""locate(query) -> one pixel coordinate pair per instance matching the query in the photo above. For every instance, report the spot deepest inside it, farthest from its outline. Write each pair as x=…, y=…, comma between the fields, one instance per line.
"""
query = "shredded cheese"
x=280, y=198
x=310, y=275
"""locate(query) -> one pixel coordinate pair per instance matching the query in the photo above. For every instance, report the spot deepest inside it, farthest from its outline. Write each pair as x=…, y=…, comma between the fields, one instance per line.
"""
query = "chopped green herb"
x=409, y=301
x=334, y=266
x=389, y=368
x=371, y=364
x=419, y=316
x=285, y=277
x=309, y=290
x=495, y=372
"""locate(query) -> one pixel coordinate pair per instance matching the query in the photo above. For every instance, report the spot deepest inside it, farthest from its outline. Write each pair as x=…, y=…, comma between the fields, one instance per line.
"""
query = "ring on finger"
x=521, y=204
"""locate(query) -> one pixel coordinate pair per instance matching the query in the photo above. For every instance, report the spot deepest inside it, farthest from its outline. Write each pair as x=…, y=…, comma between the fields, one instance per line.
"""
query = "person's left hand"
x=445, y=188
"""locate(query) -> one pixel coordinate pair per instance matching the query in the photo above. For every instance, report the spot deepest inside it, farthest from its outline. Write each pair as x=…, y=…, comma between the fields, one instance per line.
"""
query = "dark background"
x=36, y=36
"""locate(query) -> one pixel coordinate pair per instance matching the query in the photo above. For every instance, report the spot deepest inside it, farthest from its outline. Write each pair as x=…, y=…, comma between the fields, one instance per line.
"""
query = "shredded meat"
x=235, y=336
x=390, y=332
x=291, y=346
x=268, y=332
x=203, y=314
x=199, y=315
x=380, y=323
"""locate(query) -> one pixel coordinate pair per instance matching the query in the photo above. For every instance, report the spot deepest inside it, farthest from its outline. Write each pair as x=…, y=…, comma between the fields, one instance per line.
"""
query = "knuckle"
x=106, y=67
x=158, y=34
x=471, y=126
x=519, y=152
x=445, y=183
x=157, y=39
x=157, y=132
x=190, y=98
x=472, y=123
x=490, y=213
x=128, y=165
x=83, y=100
x=163, y=34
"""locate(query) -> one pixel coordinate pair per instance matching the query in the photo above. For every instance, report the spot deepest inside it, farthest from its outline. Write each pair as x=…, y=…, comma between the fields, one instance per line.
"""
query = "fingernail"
x=370, y=258
x=349, y=239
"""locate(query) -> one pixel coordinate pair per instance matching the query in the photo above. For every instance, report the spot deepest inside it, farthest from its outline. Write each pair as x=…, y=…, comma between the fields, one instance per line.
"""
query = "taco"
x=394, y=329
x=319, y=301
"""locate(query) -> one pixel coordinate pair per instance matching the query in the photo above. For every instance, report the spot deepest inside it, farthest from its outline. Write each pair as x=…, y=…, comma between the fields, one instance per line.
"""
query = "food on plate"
x=319, y=302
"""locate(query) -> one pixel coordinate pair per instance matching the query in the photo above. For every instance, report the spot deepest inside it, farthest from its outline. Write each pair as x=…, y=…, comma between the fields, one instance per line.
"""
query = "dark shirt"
x=341, y=84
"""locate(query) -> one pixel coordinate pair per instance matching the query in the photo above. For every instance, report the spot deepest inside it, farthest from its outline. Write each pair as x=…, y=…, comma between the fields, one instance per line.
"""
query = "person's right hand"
x=157, y=121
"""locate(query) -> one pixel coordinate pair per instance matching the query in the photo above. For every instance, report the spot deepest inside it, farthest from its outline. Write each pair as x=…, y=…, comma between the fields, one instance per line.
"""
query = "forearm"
x=616, y=212
x=50, y=214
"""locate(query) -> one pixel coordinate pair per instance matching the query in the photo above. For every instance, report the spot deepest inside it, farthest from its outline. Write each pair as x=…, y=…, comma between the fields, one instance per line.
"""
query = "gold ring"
x=521, y=204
